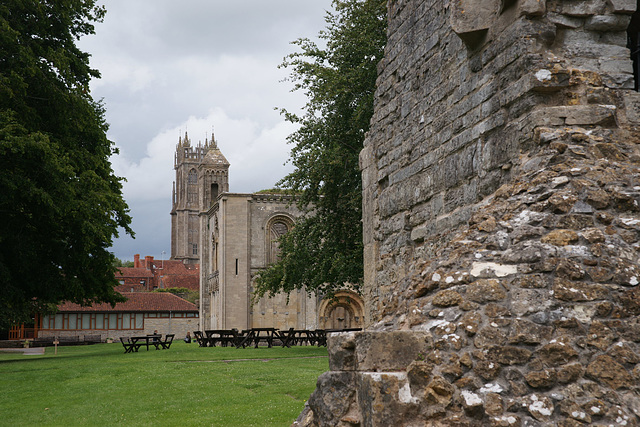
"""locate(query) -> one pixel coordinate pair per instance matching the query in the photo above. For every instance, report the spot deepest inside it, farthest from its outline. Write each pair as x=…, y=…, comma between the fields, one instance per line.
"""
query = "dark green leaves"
x=61, y=203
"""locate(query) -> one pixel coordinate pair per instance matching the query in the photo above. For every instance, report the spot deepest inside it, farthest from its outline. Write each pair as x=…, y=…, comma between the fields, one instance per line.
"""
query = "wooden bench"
x=92, y=339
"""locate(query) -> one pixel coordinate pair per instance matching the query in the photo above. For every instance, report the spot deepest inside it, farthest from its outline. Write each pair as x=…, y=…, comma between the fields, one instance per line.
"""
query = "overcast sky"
x=173, y=66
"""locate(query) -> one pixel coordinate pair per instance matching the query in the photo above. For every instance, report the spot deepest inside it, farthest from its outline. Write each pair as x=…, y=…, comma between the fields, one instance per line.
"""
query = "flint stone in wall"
x=485, y=290
x=605, y=369
x=557, y=353
x=567, y=290
x=528, y=301
x=509, y=355
x=526, y=332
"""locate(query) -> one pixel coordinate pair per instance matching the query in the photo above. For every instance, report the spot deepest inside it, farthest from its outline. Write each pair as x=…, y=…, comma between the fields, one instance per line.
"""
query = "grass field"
x=186, y=385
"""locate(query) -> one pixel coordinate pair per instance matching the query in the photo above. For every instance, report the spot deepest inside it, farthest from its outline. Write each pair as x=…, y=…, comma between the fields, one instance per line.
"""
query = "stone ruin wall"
x=501, y=221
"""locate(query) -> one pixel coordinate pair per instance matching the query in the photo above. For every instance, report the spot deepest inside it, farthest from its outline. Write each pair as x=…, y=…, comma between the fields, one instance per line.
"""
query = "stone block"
x=385, y=399
x=341, y=347
x=632, y=107
x=471, y=18
x=582, y=114
x=607, y=23
x=532, y=7
x=390, y=351
x=564, y=21
x=333, y=397
x=582, y=8
x=623, y=6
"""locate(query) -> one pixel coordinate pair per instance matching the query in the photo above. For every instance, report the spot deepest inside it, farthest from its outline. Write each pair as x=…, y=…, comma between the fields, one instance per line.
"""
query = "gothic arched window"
x=277, y=227
x=192, y=189
x=193, y=177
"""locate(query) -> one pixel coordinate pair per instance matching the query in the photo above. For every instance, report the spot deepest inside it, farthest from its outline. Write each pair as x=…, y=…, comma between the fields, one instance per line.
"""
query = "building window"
x=86, y=321
x=277, y=227
x=192, y=177
x=195, y=248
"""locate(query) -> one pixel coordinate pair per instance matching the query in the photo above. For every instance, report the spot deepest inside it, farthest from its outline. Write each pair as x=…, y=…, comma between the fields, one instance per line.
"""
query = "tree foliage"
x=324, y=250
x=61, y=203
x=117, y=262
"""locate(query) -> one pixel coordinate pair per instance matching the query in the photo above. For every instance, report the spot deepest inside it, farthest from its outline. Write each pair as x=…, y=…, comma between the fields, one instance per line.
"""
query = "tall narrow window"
x=192, y=187
x=193, y=177
x=214, y=192
x=277, y=229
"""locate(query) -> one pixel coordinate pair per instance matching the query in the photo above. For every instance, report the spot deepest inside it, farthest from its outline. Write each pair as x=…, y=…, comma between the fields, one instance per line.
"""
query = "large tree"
x=61, y=203
x=324, y=249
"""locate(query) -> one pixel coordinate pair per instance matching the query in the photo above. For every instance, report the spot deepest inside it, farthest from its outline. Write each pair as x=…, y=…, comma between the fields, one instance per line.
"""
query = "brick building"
x=148, y=274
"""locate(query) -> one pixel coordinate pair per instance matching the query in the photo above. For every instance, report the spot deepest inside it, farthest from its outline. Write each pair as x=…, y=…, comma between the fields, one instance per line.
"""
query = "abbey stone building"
x=233, y=236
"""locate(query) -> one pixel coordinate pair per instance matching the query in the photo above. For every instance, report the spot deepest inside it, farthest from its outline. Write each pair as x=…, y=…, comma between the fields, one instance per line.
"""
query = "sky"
x=199, y=66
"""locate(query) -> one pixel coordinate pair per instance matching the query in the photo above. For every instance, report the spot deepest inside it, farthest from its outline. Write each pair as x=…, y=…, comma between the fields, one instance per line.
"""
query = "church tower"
x=202, y=173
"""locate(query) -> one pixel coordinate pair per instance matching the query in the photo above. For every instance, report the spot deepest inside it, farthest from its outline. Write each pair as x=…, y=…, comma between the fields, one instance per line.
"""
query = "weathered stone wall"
x=451, y=120
x=502, y=223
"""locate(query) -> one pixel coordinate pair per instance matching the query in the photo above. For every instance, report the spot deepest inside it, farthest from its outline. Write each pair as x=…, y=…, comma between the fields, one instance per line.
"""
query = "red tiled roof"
x=189, y=282
x=176, y=267
x=137, y=301
x=133, y=272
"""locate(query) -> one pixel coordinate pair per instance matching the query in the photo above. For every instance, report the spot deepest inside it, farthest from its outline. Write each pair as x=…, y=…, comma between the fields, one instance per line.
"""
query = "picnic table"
x=132, y=344
x=201, y=339
x=153, y=340
x=255, y=336
x=299, y=337
x=222, y=336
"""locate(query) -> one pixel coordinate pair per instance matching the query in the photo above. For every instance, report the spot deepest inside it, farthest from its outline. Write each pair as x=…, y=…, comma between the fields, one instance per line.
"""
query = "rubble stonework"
x=501, y=182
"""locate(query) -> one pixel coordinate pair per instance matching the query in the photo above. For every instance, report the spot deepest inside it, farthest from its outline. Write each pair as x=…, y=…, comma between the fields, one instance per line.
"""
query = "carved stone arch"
x=344, y=311
x=278, y=225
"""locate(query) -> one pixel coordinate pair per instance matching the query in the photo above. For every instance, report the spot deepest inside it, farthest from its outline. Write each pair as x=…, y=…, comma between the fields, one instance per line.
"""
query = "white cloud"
x=257, y=155
x=172, y=66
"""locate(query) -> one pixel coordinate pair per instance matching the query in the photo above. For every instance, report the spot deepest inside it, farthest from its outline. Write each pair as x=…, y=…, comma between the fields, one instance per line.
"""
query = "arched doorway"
x=344, y=311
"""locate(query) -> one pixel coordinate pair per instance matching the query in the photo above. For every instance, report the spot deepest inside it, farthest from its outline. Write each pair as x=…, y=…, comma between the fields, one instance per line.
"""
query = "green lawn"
x=185, y=385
